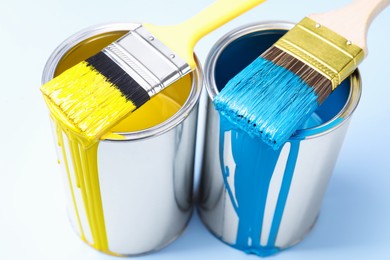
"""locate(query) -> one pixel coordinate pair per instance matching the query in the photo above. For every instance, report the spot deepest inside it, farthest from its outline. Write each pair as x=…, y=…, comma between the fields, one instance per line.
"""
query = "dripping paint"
x=255, y=164
x=253, y=212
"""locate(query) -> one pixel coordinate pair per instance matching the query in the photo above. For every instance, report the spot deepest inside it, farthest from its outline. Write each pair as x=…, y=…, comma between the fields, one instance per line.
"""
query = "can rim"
x=306, y=133
x=163, y=127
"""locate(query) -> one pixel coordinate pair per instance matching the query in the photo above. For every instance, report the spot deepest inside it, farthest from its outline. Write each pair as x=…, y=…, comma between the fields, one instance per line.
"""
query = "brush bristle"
x=272, y=97
x=95, y=95
x=321, y=85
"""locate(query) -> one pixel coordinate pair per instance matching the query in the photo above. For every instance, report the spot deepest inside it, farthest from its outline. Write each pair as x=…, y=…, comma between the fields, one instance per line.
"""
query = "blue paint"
x=302, y=134
x=255, y=163
x=325, y=117
x=284, y=190
x=251, y=185
x=267, y=101
x=226, y=174
x=253, y=158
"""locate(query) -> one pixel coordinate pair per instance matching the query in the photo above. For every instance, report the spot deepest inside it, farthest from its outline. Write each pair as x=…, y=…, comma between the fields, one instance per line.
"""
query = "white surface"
x=354, y=223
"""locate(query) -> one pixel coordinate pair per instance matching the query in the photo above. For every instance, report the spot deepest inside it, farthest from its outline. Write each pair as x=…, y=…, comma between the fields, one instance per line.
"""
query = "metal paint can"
x=145, y=178
x=253, y=198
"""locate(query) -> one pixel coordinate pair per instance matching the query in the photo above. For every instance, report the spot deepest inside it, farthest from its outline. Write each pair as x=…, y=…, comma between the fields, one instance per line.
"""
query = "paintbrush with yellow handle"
x=93, y=96
x=274, y=95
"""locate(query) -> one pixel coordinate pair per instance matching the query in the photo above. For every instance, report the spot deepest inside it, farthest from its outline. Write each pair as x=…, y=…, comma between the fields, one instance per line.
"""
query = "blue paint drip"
x=267, y=101
x=283, y=194
x=255, y=164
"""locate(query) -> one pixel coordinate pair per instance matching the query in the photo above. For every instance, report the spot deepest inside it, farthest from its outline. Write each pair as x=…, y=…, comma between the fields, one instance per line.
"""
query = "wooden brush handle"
x=352, y=21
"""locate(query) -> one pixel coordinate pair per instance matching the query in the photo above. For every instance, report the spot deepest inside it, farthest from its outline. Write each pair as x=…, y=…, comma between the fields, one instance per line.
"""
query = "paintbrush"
x=275, y=94
x=93, y=96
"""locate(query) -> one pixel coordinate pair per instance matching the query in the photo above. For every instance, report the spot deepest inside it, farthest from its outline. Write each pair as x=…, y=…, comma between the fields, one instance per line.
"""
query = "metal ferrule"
x=332, y=55
x=147, y=60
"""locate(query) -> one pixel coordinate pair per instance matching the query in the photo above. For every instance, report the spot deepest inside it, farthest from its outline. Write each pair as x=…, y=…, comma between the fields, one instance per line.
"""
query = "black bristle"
x=119, y=78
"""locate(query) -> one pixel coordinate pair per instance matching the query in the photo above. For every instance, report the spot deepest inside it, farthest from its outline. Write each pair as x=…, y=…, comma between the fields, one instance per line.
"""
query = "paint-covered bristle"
x=272, y=97
x=277, y=93
x=94, y=95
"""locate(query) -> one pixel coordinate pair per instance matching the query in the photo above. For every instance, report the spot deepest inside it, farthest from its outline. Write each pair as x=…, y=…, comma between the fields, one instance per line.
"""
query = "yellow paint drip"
x=80, y=153
x=84, y=161
x=83, y=154
x=65, y=159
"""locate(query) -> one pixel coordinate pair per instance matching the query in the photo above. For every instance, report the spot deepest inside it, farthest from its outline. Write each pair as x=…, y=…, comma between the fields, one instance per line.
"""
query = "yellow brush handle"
x=182, y=38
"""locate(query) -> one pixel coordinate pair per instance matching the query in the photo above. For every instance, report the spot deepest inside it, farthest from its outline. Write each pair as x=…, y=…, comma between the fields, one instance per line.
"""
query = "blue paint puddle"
x=255, y=164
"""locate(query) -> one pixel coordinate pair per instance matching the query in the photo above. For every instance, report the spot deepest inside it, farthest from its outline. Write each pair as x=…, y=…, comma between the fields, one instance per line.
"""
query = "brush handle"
x=353, y=20
x=182, y=38
x=215, y=15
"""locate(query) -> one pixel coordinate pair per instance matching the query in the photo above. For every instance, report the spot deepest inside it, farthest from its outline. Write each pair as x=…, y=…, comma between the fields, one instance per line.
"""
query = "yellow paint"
x=65, y=159
x=157, y=110
x=90, y=102
x=84, y=151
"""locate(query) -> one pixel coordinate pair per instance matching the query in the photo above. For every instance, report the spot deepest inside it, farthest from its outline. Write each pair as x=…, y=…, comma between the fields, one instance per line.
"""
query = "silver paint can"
x=255, y=199
x=141, y=199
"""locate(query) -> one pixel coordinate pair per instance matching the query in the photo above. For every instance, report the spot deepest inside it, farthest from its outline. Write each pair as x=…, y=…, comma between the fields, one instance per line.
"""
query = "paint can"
x=252, y=198
x=140, y=198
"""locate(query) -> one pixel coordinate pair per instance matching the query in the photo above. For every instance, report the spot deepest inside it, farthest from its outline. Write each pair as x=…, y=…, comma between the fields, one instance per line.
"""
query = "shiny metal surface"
x=146, y=180
x=147, y=60
x=315, y=162
x=146, y=188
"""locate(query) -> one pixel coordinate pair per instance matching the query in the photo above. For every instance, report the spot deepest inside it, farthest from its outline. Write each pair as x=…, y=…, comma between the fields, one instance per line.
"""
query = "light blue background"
x=355, y=216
